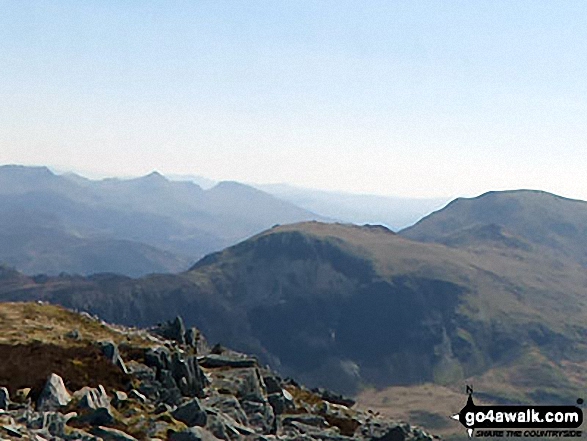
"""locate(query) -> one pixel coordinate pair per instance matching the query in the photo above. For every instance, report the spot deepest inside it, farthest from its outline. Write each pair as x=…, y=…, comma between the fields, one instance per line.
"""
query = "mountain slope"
x=544, y=220
x=347, y=306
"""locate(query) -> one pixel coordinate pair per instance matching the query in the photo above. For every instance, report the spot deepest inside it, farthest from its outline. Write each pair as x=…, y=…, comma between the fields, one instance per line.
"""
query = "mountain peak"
x=154, y=176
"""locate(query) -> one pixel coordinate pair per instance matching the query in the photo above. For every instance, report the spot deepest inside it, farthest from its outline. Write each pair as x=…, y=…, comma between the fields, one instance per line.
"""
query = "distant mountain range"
x=479, y=296
x=66, y=223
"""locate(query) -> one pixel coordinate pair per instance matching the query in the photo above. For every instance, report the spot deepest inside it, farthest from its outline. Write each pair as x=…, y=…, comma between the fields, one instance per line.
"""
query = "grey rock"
x=4, y=398
x=193, y=434
x=190, y=337
x=217, y=427
x=99, y=417
x=12, y=431
x=119, y=398
x=307, y=419
x=188, y=375
x=334, y=398
x=110, y=351
x=217, y=361
x=240, y=383
x=162, y=408
x=73, y=334
x=79, y=435
x=172, y=330
x=54, y=423
x=151, y=390
x=92, y=398
x=280, y=403
x=159, y=358
x=228, y=405
x=108, y=434
x=394, y=434
x=259, y=414
x=272, y=384
x=224, y=427
x=54, y=394
x=136, y=395
x=191, y=413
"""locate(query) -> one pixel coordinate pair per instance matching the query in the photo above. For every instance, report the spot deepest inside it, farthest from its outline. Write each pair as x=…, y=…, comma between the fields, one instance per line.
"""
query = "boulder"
x=280, y=403
x=99, y=417
x=92, y=398
x=191, y=413
x=260, y=414
x=108, y=434
x=228, y=405
x=393, y=434
x=172, y=330
x=304, y=418
x=4, y=398
x=110, y=351
x=219, y=361
x=188, y=375
x=333, y=398
x=273, y=384
x=136, y=395
x=242, y=382
x=54, y=394
x=119, y=398
x=158, y=358
x=193, y=434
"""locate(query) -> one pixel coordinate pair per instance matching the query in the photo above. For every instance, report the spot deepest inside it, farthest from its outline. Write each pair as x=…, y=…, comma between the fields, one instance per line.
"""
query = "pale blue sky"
x=410, y=98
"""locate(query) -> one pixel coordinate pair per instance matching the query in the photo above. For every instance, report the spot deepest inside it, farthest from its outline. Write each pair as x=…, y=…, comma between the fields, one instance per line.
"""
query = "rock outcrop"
x=175, y=390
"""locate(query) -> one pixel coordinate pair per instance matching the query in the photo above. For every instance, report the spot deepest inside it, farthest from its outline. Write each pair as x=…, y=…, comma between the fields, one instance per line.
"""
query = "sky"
x=408, y=98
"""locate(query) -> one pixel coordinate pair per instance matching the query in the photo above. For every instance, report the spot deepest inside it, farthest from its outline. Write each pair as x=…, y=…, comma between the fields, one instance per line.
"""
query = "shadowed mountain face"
x=347, y=306
x=52, y=223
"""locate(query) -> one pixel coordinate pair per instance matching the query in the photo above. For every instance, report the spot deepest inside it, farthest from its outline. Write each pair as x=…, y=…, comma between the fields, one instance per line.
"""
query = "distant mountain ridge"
x=52, y=223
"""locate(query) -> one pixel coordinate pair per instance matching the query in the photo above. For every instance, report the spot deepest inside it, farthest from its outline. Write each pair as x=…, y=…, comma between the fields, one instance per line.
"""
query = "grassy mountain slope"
x=544, y=220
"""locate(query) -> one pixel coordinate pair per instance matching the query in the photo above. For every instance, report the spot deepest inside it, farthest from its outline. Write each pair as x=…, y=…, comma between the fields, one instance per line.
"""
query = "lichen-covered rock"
x=108, y=434
x=92, y=398
x=218, y=361
x=119, y=398
x=193, y=434
x=172, y=330
x=228, y=405
x=191, y=413
x=110, y=351
x=54, y=394
x=188, y=375
x=97, y=417
x=4, y=398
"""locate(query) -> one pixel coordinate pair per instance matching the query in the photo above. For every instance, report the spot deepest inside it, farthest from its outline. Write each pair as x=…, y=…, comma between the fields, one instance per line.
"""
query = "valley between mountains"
x=489, y=291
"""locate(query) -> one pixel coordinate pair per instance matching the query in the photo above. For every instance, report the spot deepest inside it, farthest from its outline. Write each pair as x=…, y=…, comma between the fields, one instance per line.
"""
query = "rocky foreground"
x=71, y=376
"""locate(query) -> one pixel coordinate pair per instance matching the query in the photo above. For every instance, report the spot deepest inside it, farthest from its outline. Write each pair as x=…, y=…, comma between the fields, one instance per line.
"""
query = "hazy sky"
x=411, y=98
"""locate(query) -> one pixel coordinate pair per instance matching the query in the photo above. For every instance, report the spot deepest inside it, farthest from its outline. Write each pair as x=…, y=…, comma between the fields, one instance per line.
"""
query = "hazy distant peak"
x=26, y=170
x=154, y=176
x=234, y=185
